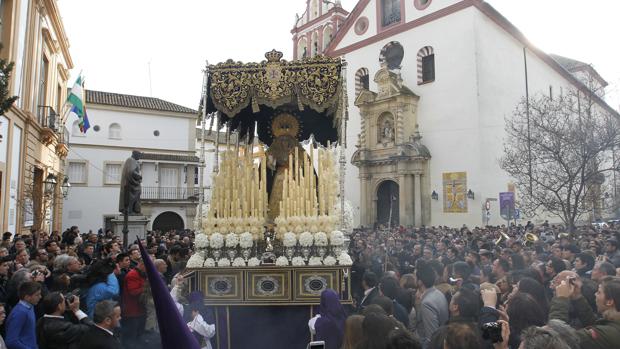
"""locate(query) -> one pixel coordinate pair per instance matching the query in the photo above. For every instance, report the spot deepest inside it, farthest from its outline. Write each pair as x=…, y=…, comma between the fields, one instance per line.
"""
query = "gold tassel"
x=255, y=107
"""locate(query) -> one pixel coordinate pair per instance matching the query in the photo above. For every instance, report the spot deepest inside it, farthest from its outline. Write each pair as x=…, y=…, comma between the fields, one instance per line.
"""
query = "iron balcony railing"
x=170, y=193
x=48, y=117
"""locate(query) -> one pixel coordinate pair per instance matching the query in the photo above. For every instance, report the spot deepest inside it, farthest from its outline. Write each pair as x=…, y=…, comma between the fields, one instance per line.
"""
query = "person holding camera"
x=56, y=332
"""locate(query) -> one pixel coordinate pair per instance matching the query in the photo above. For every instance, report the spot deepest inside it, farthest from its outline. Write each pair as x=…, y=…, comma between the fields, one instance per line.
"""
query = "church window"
x=390, y=12
x=426, y=65
x=421, y=4
x=315, y=9
x=361, y=26
x=362, y=81
x=302, y=48
x=315, y=44
x=327, y=36
x=114, y=132
x=391, y=55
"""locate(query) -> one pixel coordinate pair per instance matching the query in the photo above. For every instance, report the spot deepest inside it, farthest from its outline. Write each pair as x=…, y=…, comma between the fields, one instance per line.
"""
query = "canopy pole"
x=343, y=138
x=201, y=168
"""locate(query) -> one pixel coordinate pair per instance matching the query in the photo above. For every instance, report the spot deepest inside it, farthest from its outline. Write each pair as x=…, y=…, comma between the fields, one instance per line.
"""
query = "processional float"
x=272, y=233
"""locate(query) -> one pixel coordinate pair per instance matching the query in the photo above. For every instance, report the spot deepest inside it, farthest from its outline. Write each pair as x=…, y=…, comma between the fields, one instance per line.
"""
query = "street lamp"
x=50, y=183
x=65, y=187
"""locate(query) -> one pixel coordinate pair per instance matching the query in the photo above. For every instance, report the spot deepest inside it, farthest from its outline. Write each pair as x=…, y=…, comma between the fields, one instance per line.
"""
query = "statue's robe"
x=130, y=188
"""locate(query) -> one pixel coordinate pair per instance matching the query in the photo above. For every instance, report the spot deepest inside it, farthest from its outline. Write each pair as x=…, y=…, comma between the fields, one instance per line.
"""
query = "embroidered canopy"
x=255, y=93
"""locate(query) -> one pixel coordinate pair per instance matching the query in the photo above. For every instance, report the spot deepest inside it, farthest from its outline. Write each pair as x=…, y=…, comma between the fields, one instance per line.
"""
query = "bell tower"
x=316, y=27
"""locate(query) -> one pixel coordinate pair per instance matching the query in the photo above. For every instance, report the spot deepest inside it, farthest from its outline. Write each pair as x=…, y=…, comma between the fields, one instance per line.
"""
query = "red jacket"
x=132, y=290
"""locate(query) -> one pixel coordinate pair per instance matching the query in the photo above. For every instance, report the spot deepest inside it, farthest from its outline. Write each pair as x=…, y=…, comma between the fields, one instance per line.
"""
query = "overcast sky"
x=114, y=42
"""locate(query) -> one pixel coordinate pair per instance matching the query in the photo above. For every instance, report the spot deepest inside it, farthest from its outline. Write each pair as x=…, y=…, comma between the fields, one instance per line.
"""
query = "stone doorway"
x=387, y=203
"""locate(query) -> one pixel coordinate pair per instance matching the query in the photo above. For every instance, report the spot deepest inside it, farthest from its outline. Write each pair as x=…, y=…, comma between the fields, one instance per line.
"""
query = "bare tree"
x=559, y=152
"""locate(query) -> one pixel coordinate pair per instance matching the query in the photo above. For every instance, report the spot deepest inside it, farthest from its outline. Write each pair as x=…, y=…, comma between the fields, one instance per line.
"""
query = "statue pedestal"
x=135, y=224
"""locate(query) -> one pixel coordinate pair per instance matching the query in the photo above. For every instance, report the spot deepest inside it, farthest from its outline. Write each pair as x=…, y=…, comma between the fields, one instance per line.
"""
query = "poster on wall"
x=455, y=192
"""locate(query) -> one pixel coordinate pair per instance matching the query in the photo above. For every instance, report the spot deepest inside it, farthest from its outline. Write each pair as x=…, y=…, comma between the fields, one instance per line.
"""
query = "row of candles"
x=240, y=187
x=300, y=195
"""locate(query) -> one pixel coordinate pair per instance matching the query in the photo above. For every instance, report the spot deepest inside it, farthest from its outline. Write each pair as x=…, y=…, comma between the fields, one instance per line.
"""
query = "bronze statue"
x=129, y=201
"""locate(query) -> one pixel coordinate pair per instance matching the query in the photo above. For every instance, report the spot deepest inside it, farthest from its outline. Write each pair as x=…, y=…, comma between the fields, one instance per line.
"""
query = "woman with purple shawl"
x=328, y=325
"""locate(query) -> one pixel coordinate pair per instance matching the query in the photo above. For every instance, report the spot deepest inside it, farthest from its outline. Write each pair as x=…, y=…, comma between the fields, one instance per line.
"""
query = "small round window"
x=156, y=133
x=361, y=26
x=421, y=4
x=96, y=128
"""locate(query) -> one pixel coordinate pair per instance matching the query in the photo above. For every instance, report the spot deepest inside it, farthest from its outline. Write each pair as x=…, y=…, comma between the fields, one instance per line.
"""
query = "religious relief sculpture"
x=131, y=189
x=386, y=131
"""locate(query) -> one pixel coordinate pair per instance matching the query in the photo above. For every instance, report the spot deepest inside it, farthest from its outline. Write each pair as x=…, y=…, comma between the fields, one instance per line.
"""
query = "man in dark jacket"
x=53, y=330
x=602, y=333
x=100, y=336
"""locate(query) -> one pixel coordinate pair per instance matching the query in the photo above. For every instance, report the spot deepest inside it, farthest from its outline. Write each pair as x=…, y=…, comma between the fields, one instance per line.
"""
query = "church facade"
x=430, y=83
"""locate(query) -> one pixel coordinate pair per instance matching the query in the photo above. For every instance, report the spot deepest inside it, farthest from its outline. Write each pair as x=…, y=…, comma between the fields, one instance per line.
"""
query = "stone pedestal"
x=135, y=224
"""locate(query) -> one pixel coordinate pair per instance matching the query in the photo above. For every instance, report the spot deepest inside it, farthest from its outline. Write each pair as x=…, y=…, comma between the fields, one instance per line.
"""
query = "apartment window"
x=550, y=92
x=196, y=175
x=77, y=172
x=390, y=12
x=43, y=81
x=20, y=39
x=112, y=174
x=114, y=131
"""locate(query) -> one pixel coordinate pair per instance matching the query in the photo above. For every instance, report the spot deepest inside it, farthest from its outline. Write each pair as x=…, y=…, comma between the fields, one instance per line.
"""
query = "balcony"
x=48, y=119
x=170, y=194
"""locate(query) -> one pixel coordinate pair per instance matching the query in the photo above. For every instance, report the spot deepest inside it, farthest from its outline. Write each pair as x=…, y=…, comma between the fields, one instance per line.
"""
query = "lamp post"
x=65, y=187
x=50, y=184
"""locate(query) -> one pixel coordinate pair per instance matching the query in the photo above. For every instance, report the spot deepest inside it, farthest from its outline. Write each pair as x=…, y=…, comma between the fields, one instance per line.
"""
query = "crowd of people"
x=432, y=287
x=74, y=290
x=513, y=287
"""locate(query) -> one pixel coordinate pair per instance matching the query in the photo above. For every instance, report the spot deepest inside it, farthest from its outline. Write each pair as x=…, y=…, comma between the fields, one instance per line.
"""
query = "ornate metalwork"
x=221, y=286
x=314, y=82
x=267, y=286
x=315, y=284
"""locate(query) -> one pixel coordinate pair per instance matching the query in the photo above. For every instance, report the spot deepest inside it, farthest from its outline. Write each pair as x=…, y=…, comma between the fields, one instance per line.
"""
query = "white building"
x=468, y=65
x=163, y=132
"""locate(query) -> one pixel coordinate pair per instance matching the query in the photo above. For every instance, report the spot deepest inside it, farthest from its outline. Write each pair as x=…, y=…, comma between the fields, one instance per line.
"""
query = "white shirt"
x=311, y=323
x=201, y=327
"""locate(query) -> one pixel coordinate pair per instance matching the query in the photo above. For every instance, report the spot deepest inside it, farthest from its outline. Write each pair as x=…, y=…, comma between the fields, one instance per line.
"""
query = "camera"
x=492, y=331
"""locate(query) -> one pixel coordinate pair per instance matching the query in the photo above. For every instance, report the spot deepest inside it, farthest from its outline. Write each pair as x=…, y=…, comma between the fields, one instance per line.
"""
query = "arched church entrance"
x=387, y=203
x=168, y=221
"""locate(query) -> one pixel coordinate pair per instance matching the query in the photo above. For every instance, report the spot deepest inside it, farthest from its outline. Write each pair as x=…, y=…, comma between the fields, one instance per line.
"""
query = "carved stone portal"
x=393, y=163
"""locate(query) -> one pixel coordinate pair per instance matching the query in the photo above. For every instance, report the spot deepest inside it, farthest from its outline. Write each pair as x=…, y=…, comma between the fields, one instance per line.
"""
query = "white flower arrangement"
x=217, y=240
x=246, y=240
x=314, y=261
x=196, y=261
x=202, y=241
x=337, y=238
x=232, y=240
x=320, y=239
x=290, y=239
x=223, y=262
x=345, y=259
x=209, y=263
x=306, y=239
x=330, y=260
x=253, y=262
x=298, y=261
x=282, y=261
x=238, y=262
